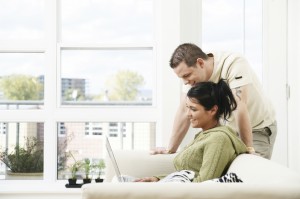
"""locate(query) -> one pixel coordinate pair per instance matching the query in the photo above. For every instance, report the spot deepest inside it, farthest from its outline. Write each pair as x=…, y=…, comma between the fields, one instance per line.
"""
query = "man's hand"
x=147, y=179
x=160, y=150
x=252, y=151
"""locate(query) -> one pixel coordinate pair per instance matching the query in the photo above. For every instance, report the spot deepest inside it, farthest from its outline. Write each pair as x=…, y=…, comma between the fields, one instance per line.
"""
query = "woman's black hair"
x=209, y=94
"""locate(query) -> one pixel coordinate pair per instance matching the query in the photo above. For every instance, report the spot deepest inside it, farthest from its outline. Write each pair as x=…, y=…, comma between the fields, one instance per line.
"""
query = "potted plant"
x=74, y=168
x=99, y=166
x=24, y=160
x=87, y=168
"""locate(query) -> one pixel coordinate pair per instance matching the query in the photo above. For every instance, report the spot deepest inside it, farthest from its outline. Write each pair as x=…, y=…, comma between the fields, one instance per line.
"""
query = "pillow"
x=179, y=176
x=227, y=178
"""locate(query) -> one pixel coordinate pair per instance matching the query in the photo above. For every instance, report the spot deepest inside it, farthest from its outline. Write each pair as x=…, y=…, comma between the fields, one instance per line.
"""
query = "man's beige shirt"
x=236, y=70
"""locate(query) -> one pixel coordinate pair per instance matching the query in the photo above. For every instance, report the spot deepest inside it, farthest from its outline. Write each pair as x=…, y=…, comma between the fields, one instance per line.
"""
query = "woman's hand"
x=160, y=150
x=147, y=179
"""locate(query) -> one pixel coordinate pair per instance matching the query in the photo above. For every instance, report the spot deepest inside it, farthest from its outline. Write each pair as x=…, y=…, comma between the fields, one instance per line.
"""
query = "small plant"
x=99, y=167
x=26, y=159
x=87, y=168
x=74, y=168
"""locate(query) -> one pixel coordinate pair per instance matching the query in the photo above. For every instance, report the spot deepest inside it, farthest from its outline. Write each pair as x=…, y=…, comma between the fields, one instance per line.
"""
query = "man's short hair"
x=187, y=52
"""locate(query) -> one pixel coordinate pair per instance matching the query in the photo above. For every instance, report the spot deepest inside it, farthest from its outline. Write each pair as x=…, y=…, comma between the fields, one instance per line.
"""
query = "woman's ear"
x=214, y=110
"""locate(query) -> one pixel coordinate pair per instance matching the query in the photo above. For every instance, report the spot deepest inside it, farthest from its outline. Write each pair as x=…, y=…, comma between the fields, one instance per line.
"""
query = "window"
x=106, y=57
x=22, y=151
x=76, y=71
x=105, y=60
x=107, y=77
x=22, y=20
x=135, y=135
x=234, y=25
x=107, y=22
x=22, y=76
x=22, y=65
x=22, y=81
x=105, y=63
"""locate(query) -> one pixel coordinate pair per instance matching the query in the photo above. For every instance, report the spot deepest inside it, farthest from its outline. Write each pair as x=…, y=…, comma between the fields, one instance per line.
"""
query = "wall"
x=167, y=37
x=294, y=82
x=174, y=19
x=281, y=58
x=275, y=69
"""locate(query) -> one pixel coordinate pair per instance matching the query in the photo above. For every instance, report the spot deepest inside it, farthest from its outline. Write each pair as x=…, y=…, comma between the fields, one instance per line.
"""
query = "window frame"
x=53, y=112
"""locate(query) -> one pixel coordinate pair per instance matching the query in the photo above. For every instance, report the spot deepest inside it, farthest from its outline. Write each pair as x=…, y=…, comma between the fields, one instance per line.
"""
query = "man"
x=254, y=118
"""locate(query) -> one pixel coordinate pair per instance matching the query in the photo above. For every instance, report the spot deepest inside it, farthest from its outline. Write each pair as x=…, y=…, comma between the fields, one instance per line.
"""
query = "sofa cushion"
x=140, y=164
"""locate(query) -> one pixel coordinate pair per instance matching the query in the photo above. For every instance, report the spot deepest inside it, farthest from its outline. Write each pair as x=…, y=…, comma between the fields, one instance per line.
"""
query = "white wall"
x=176, y=19
x=275, y=69
x=282, y=59
x=294, y=82
x=168, y=36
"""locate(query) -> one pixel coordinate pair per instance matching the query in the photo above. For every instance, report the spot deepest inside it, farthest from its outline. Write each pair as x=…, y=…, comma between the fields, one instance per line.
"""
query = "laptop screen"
x=113, y=160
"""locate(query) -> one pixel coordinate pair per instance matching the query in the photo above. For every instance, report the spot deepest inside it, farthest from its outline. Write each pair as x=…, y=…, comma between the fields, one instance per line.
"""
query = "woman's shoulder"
x=221, y=131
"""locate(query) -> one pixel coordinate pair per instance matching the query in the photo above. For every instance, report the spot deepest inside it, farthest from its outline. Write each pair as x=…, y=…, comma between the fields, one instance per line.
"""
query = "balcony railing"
x=35, y=104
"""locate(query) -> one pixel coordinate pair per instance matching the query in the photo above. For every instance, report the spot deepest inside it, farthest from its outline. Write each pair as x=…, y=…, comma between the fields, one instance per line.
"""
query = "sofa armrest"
x=139, y=164
x=253, y=169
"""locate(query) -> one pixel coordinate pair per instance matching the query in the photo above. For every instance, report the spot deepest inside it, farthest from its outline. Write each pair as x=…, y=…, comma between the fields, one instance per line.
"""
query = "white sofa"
x=263, y=179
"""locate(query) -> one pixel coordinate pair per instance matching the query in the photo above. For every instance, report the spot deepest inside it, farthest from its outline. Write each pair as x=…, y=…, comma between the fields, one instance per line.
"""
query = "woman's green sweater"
x=210, y=154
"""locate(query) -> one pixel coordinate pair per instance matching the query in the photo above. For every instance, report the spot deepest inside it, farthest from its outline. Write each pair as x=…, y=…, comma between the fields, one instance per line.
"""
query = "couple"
x=210, y=99
x=211, y=152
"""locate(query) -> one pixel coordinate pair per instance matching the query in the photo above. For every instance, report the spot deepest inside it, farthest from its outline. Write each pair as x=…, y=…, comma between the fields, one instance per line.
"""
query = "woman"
x=215, y=147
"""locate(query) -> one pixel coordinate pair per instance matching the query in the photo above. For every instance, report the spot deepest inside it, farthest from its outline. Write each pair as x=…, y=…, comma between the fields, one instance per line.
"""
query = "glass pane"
x=236, y=26
x=78, y=141
x=253, y=35
x=222, y=25
x=107, y=77
x=21, y=151
x=21, y=80
x=21, y=19
x=107, y=21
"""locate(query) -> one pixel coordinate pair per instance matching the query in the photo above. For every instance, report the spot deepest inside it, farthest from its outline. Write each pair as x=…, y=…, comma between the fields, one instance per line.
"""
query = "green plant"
x=26, y=159
x=99, y=166
x=87, y=167
x=74, y=168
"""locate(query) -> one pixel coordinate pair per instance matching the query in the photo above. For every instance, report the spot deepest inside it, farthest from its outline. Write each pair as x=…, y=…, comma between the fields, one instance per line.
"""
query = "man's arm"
x=180, y=127
x=242, y=117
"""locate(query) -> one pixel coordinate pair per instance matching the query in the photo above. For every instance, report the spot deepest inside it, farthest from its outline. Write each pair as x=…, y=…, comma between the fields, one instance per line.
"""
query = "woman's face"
x=199, y=117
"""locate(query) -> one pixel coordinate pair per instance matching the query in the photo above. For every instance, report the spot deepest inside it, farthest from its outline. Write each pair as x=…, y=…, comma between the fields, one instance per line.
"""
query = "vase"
x=87, y=180
x=99, y=180
x=72, y=181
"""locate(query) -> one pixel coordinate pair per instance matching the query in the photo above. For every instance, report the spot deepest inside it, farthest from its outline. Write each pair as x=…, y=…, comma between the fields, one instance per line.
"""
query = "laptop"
x=120, y=178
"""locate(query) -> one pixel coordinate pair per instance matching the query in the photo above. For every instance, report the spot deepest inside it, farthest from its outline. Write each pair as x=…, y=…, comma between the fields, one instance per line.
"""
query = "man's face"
x=190, y=75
